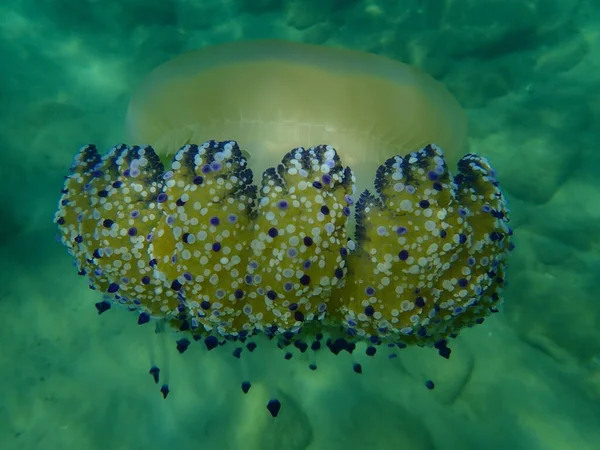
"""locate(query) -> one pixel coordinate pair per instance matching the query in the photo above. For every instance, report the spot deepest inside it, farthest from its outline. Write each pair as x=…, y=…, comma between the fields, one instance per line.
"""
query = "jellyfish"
x=355, y=230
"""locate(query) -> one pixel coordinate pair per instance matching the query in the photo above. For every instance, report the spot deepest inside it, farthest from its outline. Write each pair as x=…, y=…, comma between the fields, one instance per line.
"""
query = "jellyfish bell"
x=273, y=95
x=182, y=232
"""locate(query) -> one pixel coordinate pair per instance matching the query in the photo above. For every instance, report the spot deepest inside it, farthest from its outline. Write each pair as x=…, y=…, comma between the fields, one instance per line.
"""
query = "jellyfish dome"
x=177, y=230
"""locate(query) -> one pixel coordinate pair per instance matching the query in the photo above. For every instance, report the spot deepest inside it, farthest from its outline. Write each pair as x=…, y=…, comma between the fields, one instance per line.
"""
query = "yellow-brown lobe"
x=200, y=242
x=300, y=230
x=112, y=222
x=431, y=251
x=198, y=245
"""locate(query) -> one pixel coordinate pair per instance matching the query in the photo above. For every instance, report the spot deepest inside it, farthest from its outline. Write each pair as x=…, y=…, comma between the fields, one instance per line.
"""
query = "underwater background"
x=529, y=378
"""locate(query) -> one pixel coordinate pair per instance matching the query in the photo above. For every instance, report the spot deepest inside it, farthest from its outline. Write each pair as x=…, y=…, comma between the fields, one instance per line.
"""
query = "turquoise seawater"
x=528, y=378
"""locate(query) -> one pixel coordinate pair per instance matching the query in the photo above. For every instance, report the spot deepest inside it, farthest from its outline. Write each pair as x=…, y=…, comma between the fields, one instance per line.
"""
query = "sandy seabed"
x=529, y=378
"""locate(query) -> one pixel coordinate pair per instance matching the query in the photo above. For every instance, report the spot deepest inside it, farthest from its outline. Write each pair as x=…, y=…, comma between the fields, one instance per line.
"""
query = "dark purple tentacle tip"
x=102, y=306
x=182, y=345
x=274, y=406
x=246, y=386
x=164, y=390
x=155, y=372
x=143, y=318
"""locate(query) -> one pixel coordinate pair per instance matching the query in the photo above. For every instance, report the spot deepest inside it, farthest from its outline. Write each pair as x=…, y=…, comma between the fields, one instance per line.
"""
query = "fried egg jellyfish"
x=176, y=230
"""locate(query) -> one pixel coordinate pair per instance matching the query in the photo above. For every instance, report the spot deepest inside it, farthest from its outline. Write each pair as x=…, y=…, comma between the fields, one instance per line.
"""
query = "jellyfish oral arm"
x=204, y=248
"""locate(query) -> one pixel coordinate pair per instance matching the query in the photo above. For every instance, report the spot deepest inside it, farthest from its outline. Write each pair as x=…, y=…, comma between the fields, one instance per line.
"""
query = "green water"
x=529, y=378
